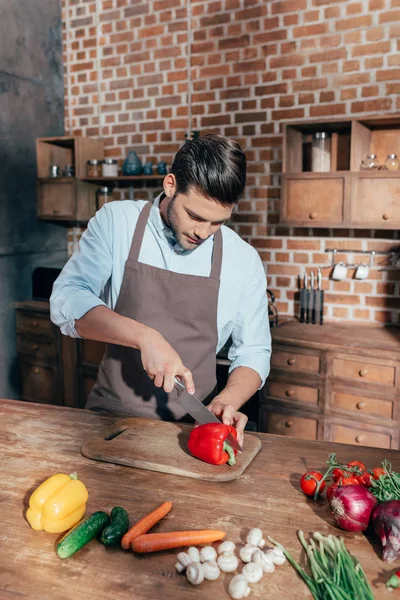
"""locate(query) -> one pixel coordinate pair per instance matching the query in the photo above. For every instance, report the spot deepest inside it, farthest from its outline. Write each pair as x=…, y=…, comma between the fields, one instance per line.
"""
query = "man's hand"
x=229, y=416
x=161, y=363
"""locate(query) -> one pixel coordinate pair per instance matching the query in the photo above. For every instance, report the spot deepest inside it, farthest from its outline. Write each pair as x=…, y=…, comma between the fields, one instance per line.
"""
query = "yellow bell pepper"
x=57, y=504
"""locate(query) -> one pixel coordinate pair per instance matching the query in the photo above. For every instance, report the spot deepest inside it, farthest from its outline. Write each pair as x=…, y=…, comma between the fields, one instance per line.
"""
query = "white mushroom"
x=277, y=559
x=195, y=573
x=208, y=553
x=255, y=537
x=211, y=570
x=228, y=562
x=253, y=572
x=239, y=587
x=184, y=561
x=262, y=559
x=246, y=552
x=227, y=546
x=194, y=554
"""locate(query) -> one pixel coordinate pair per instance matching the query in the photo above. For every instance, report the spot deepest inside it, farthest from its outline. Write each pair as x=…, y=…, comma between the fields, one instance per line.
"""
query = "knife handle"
x=302, y=307
x=321, y=314
x=178, y=385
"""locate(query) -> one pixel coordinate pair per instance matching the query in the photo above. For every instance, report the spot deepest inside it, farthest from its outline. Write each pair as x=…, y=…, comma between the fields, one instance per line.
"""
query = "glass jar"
x=370, y=163
x=54, y=171
x=110, y=167
x=392, y=163
x=102, y=197
x=321, y=152
x=93, y=168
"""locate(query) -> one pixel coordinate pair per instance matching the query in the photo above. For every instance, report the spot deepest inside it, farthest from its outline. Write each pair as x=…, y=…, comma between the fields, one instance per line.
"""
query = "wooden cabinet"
x=339, y=383
x=345, y=196
x=66, y=198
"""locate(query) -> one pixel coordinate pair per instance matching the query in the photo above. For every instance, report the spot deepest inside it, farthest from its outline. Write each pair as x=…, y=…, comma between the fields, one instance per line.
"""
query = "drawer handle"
x=359, y=439
x=291, y=361
x=313, y=215
x=289, y=393
x=385, y=217
x=360, y=405
x=36, y=370
x=363, y=372
x=55, y=211
x=35, y=323
x=35, y=347
x=289, y=424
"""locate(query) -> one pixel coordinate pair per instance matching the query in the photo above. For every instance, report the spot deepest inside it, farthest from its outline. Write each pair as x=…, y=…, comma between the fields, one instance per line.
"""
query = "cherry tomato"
x=377, y=472
x=357, y=463
x=330, y=490
x=308, y=484
x=337, y=474
x=364, y=479
x=348, y=480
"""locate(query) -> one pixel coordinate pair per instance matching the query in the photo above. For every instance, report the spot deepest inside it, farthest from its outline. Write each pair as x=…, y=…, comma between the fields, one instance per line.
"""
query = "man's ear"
x=169, y=185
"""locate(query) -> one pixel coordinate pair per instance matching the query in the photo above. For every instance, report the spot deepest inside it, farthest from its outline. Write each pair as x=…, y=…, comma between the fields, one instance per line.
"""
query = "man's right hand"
x=161, y=363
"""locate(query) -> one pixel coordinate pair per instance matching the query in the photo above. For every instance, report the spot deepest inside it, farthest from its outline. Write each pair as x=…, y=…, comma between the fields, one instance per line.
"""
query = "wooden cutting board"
x=162, y=446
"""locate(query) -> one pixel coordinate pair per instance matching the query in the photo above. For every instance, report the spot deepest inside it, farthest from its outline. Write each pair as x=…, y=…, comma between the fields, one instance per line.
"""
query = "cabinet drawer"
x=57, y=199
x=364, y=371
x=91, y=352
x=363, y=405
x=295, y=362
x=286, y=391
x=365, y=208
x=38, y=383
x=33, y=323
x=314, y=199
x=35, y=348
x=360, y=437
x=291, y=426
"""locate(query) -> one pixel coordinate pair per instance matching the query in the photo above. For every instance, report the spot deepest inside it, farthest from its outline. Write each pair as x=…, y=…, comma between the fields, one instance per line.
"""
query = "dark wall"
x=31, y=106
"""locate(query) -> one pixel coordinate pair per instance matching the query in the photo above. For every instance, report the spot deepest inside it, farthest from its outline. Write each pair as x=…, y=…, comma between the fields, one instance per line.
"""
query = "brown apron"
x=183, y=308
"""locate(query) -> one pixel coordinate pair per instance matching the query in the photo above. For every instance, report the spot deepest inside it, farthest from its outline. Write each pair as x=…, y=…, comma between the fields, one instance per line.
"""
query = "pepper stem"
x=231, y=460
x=74, y=476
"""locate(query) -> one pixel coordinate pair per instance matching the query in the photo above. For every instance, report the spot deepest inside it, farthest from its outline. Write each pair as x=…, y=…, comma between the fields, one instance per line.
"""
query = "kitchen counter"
x=38, y=441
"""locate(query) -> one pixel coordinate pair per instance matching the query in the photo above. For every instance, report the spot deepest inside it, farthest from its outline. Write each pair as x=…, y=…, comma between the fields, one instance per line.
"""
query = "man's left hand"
x=229, y=416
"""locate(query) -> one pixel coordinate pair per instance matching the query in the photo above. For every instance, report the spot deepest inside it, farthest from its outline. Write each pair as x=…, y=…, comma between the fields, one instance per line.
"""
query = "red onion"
x=352, y=506
x=386, y=522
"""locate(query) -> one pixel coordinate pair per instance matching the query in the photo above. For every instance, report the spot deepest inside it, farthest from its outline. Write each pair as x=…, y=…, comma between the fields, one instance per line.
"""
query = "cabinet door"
x=56, y=200
x=312, y=200
x=376, y=201
x=39, y=384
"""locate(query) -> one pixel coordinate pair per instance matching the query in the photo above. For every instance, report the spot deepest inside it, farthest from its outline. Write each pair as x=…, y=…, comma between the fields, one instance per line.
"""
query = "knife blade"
x=199, y=412
x=303, y=299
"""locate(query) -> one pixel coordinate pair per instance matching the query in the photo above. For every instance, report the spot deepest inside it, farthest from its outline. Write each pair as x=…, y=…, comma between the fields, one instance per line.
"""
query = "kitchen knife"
x=199, y=412
x=303, y=298
x=320, y=316
x=313, y=294
x=308, y=303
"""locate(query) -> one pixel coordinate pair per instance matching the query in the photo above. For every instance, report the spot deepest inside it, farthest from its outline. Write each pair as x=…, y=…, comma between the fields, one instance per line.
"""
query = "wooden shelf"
x=379, y=174
x=122, y=181
x=57, y=179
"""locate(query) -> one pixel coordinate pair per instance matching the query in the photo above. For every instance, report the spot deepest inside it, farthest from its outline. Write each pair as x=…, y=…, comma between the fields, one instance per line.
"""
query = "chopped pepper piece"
x=208, y=442
x=394, y=581
x=57, y=504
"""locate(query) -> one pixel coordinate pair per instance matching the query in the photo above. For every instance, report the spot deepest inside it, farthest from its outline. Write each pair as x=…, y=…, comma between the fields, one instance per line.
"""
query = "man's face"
x=193, y=218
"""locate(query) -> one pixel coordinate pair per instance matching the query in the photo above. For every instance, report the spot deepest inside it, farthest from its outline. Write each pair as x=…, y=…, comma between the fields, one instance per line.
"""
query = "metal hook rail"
x=372, y=253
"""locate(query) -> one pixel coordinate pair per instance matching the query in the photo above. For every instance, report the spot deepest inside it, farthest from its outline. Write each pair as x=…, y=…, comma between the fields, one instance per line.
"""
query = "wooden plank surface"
x=162, y=447
x=37, y=441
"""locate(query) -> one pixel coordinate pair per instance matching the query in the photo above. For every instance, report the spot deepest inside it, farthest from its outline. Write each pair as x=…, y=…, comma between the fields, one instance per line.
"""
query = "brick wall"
x=253, y=64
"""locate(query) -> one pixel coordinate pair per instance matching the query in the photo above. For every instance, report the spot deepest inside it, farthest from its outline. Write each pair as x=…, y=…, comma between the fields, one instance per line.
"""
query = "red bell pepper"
x=208, y=442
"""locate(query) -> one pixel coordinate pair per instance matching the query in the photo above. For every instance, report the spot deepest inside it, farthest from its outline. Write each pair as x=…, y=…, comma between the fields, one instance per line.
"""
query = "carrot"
x=145, y=524
x=153, y=542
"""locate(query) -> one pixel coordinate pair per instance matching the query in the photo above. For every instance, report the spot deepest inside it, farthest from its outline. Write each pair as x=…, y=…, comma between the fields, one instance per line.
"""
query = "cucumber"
x=119, y=525
x=82, y=533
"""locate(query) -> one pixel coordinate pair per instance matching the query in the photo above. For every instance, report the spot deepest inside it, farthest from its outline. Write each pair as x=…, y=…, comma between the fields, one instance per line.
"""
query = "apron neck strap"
x=138, y=239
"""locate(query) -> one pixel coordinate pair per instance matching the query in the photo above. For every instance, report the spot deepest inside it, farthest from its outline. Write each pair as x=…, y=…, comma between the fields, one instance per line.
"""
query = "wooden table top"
x=37, y=441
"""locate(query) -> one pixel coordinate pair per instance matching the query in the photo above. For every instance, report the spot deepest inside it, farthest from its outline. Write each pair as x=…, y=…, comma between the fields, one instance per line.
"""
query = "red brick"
x=309, y=84
x=380, y=104
x=265, y=90
x=353, y=23
x=375, y=33
x=328, y=55
x=388, y=75
x=250, y=117
x=308, y=30
x=373, y=63
x=371, y=90
x=356, y=79
x=377, y=48
x=327, y=110
x=390, y=17
x=287, y=6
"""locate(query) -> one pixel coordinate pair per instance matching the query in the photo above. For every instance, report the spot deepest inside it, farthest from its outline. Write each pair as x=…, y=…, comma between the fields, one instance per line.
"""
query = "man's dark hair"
x=214, y=166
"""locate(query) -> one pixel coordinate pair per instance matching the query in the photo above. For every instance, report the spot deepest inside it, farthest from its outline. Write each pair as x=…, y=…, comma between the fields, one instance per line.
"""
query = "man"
x=166, y=285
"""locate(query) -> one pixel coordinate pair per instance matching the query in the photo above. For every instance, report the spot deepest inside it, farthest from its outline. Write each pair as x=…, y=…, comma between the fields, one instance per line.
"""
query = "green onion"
x=335, y=573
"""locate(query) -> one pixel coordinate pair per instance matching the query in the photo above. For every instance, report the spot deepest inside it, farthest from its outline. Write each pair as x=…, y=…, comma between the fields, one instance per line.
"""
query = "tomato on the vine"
x=330, y=491
x=364, y=479
x=357, y=463
x=308, y=483
x=338, y=474
x=350, y=480
x=377, y=472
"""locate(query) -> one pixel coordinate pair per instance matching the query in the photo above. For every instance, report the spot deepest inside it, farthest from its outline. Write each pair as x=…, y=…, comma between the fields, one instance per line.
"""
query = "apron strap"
x=139, y=232
x=217, y=256
x=138, y=239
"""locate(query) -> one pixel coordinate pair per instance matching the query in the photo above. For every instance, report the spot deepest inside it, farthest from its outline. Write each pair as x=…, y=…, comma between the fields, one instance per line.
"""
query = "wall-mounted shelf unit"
x=345, y=196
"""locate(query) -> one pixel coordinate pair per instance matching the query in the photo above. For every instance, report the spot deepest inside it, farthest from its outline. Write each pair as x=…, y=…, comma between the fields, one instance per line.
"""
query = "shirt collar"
x=165, y=232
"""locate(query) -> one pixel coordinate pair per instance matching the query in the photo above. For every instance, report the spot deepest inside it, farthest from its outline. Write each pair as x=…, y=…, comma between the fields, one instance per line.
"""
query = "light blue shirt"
x=93, y=276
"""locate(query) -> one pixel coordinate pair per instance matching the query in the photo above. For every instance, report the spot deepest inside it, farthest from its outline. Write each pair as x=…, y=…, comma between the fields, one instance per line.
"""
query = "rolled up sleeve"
x=82, y=280
x=251, y=338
